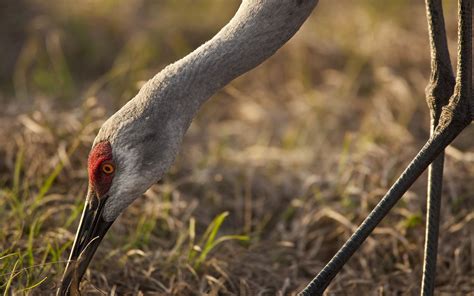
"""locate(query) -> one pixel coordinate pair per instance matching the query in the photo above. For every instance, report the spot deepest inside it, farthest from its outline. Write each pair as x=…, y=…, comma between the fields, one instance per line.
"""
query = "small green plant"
x=412, y=221
x=198, y=252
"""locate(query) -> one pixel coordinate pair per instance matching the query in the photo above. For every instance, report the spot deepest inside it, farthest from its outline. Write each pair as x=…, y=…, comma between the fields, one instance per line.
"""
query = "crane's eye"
x=108, y=168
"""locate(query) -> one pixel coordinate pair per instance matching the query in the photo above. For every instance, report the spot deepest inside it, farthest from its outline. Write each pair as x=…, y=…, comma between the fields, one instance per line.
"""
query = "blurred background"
x=275, y=173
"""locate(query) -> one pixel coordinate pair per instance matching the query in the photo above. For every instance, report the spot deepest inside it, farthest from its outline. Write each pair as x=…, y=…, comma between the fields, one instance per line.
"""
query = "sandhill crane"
x=137, y=145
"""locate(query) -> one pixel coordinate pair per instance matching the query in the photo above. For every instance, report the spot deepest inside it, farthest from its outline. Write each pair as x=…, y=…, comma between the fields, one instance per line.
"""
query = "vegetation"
x=274, y=174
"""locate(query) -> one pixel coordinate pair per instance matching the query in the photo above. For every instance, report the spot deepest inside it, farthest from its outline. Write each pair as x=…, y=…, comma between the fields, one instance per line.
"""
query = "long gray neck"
x=257, y=31
x=167, y=103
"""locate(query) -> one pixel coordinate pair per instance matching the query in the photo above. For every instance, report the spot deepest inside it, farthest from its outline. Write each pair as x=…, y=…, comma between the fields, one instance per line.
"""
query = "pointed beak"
x=92, y=229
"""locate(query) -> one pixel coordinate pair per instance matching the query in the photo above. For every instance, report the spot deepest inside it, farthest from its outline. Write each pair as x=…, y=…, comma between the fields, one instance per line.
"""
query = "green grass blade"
x=205, y=252
x=10, y=279
x=47, y=185
x=213, y=228
x=17, y=172
x=34, y=285
x=192, y=238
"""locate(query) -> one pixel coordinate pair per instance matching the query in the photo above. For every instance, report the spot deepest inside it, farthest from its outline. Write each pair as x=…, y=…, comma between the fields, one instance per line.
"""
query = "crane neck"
x=258, y=29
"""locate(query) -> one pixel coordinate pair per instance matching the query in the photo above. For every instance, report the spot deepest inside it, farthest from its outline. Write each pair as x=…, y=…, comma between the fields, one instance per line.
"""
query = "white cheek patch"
x=128, y=183
x=131, y=179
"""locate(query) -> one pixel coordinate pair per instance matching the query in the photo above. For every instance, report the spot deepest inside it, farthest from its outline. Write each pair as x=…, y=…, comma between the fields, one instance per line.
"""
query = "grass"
x=274, y=174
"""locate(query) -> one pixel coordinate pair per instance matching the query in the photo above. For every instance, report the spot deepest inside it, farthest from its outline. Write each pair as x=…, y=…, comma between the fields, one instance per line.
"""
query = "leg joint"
x=438, y=92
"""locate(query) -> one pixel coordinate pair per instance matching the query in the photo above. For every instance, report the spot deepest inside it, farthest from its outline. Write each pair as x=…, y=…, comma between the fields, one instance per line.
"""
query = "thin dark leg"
x=438, y=92
x=454, y=118
x=433, y=207
x=463, y=88
x=427, y=154
x=461, y=103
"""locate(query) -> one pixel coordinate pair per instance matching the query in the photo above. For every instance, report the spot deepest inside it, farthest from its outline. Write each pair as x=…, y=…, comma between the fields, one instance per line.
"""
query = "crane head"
x=127, y=157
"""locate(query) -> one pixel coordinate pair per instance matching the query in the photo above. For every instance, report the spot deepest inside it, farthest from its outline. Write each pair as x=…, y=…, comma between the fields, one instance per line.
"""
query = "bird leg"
x=438, y=92
x=455, y=116
x=433, y=147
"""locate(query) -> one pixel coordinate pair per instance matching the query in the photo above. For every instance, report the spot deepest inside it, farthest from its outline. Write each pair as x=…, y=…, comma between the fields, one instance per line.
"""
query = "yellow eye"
x=108, y=168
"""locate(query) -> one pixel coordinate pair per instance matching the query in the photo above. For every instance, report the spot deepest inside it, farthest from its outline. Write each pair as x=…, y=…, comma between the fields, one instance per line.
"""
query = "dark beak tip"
x=92, y=229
